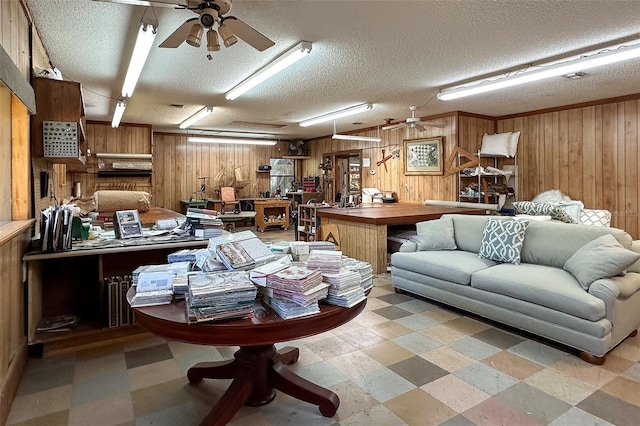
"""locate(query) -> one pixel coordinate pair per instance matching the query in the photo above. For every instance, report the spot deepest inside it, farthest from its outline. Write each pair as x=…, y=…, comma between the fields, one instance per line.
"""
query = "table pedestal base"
x=257, y=371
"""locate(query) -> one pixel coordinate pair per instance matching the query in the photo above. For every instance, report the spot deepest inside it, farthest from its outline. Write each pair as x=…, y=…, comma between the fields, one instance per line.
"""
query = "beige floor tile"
x=367, y=319
x=617, y=364
x=440, y=315
x=374, y=303
x=378, y=291
x=377, y=415
x=39, y=404
x=443, y=333
x=623, y=388
x=513, y=365
x=419, y=408
x=347, y=328
x=592, y=375
x=387, y=353
x=354, y=364
x=628, y=349
x=467, y=325
x=307, y=356
x=455, y=392
x=256, y=419
x=353, y=400
x=152, y=374
x=448, y=359
x=331, y=347
x=390, y=329
x=563, y=387
x=113, y=410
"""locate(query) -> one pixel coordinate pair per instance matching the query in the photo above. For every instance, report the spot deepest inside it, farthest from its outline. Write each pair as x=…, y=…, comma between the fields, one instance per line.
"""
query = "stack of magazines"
x=327, y=261
x=321, y=245
x=345, y=289
x=241, y=251
x=204, y=223
x=295, y=291
x=220, y=295
x=363, y=268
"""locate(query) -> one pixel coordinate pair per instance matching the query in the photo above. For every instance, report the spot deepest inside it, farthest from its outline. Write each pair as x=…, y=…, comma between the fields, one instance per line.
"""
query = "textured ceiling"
x=391, y=53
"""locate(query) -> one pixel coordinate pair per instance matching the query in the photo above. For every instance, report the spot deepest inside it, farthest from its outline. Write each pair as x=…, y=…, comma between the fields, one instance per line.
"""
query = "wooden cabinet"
x=272, y=213
x=59, y=101
x=308, y=222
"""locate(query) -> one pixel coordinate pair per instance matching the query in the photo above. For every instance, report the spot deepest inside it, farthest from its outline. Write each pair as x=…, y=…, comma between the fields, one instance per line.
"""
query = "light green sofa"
x=537, y=295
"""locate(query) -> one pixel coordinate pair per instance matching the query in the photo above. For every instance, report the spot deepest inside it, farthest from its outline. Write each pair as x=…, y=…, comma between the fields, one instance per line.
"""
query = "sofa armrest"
x=619, y=287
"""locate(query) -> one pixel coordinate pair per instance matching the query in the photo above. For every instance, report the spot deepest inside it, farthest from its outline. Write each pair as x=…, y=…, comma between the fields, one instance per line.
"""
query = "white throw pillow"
x=496, y=144
x=513, y=143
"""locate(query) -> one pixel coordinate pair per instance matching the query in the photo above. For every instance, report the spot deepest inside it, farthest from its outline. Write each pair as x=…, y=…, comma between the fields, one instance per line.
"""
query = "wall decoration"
x=423, y=156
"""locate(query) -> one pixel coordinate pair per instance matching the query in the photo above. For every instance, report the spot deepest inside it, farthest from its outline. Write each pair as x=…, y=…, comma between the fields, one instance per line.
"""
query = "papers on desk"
x=55, y=228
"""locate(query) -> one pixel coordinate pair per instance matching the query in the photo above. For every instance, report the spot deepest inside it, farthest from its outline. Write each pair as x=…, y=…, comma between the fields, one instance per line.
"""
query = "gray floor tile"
x=416, y=343
x=485, y=378
x=418, y=370
x=611, y=409
x=383, y=384
x=531, y=400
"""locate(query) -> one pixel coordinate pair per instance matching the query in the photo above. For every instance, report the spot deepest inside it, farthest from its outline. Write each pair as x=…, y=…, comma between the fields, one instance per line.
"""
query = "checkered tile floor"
x=402, y=361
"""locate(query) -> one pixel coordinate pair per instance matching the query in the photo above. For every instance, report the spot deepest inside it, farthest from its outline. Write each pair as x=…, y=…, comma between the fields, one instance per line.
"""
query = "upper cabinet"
x=58, y=128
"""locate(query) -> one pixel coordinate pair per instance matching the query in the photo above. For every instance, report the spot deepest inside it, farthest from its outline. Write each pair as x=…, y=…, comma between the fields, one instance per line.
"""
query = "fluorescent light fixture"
x=196, y=117
x=236, y=141
x=336, y=114
x=603, y=57
x=117, y=114
x=289, y=57
x=146, y=35
x=355, y=138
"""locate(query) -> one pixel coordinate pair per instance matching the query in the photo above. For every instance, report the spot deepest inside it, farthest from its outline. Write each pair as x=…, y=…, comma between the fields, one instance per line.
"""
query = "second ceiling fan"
x=414, y=123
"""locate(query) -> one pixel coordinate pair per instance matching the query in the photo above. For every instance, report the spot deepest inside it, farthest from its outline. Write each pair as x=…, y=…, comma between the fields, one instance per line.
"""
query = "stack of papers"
x=295, y=291
x=363, y=268
x=321, y=245
x=345, y=289
x=240, y=251
x=220, y=295
x=187, y=255
x=295, y=279
x=150, y=298
x=287, y=310
x=327, y=261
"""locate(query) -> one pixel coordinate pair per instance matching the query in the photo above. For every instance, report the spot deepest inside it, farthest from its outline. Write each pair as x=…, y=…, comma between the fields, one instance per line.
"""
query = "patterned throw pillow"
x=595, y=217
x=545, y=209
x=502, y=240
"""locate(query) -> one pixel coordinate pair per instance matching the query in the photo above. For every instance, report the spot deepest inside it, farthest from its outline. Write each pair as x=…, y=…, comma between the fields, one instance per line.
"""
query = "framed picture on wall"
x=423, y=156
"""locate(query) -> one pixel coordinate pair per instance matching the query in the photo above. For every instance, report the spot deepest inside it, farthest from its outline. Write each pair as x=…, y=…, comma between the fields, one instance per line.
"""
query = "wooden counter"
x=363, y=230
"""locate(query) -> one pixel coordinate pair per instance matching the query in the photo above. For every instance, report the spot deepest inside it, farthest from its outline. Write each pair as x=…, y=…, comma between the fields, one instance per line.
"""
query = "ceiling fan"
x=414, y=123
x=210, y=13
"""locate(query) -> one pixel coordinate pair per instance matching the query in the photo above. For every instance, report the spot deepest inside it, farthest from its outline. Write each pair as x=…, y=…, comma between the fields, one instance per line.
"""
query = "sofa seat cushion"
x=543, y=285
x=448, y=265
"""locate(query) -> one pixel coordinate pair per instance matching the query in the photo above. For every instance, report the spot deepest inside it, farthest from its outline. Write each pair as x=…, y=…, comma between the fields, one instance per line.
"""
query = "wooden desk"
x=258, y=369
x=72, y=282
x=363, y=230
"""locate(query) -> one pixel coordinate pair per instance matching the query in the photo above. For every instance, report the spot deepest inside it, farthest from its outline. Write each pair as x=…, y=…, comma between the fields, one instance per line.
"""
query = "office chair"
x=228, y=200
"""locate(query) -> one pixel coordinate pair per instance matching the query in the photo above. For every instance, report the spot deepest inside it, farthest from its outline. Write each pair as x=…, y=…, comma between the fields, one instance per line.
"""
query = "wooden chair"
x=228, y=200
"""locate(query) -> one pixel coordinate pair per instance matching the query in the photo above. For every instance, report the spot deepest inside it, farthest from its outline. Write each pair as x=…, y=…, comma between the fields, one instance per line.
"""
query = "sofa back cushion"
x=549, y=243
x=553, y=243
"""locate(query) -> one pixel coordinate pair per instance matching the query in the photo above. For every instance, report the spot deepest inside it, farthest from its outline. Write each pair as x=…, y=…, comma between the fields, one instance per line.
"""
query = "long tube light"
x=236, y=141
x=146, y=35
x=288, y=58
x=602, y=57
x=118, y=113
x=336, y=114
x=196, y=117
x=355, y=138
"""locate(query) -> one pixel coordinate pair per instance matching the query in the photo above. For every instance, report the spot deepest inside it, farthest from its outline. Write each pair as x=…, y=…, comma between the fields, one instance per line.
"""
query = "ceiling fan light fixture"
x=212, y=41
x=144, y=41
x=195, y=35
x=196, y=117
x=227, y=35
x=603, y=56
x=336, y=114
x=234, y=141
x=283, y=61
x=118, y=113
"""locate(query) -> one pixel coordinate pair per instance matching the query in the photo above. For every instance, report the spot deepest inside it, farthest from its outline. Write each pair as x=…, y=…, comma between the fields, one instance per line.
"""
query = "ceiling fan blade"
x=419, y=127
x=432, y=124
x=178, y=36
x=394, y=126
x=248, y=34
x=158, y=3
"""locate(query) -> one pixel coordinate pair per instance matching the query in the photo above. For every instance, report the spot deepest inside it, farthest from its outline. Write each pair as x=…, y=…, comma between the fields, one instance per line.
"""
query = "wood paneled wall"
x=14, y=34
x=590, y=153
x=178, y=165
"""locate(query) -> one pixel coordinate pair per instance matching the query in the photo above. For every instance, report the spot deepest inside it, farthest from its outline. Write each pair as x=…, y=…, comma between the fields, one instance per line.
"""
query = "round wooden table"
x=258, y=369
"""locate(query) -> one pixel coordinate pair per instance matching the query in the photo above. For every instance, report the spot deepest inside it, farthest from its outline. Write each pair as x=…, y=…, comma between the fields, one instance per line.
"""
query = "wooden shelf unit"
x=268, y=212
x=308, y=222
